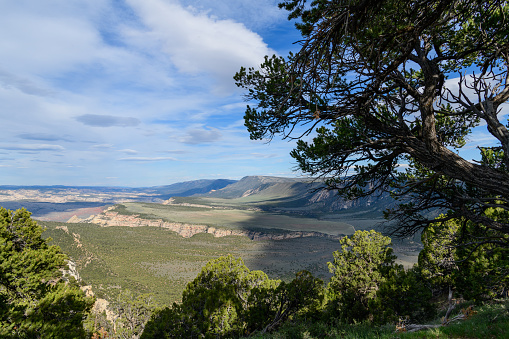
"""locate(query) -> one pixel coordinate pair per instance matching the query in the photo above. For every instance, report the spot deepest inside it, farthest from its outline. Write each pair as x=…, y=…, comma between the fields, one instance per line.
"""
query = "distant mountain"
x=62, y=188
x=295, y=195
x=262, y=186
x=188, y=188
x=48, y=200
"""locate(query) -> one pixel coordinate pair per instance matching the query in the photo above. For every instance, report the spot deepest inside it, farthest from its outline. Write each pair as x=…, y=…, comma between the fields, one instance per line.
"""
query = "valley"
x=155, y=240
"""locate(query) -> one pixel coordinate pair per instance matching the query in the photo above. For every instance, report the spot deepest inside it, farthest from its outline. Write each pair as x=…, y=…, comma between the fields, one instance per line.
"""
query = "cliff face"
x=331, y=201
x=110, y=218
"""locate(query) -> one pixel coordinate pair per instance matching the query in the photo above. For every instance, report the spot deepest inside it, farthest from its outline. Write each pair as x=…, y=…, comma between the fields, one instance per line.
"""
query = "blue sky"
x=133, y=92
x=136, y=92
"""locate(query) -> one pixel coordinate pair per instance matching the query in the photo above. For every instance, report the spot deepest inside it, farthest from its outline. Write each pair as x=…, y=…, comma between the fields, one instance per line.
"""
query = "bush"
x=214, y=304
x=368, y=285
x=228, y=300
x=268, y=309
x=405, y=295
x=466, y=257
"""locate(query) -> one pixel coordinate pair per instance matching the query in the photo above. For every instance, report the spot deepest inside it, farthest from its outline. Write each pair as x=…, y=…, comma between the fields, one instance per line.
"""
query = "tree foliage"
x=373, y=85
x=35, y=302
x=438, y=259
x=270, y=308
x=476, y=269
x=367, y=284
x=362, y=264
x=228, y=300
x=132, y=313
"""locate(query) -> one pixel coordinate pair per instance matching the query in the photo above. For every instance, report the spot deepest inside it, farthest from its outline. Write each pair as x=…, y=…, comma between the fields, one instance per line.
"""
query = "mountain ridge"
x=293, y=195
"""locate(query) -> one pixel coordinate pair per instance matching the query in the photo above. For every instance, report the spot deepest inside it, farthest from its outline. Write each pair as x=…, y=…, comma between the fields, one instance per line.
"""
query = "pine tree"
x=35, y=302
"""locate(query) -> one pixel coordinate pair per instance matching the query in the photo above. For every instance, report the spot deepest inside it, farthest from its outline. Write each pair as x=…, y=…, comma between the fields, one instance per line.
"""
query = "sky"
x=135, y=92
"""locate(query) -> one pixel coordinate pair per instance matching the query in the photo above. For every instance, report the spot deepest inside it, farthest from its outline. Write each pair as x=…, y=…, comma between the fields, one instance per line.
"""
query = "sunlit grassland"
x=244, y=219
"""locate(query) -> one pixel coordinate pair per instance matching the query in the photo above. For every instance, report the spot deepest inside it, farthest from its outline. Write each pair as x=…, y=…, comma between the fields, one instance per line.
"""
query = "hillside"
x=188, y=188
x=274, y=194
x=160, y=261
x=295, y=195
x=262, y=185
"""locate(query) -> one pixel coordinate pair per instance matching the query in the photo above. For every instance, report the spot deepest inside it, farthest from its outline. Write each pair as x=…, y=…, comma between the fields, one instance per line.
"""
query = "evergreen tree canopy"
x=477, y=271
x=370, y=85
x=34, y=301
x=359, y=269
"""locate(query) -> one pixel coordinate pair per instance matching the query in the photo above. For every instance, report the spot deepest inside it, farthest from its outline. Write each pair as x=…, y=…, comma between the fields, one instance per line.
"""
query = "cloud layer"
x=131, y=92
x=107, y=120
x=197, y=43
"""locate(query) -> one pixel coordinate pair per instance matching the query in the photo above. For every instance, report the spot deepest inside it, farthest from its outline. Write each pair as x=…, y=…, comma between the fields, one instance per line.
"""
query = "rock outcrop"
x=100, y=305
x=74, y=220
x=71, y=271
x=111, y=218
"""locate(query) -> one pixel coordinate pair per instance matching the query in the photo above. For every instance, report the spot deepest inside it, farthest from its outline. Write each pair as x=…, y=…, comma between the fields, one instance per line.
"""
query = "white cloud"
x=103, y=146
x=235, y=106
x=153, y=67
x=148, y=159
x=57, y=33
x=198, y=43
x=44, y=137
x=264, y=155
x=259, y=14
x=23, y=84
x=32, y=147
x=97, y=120
x=128, y=151
x=201, y=136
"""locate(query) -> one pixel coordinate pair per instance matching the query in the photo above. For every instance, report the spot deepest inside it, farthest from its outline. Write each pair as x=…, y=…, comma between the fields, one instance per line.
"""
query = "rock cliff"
x=111, y=218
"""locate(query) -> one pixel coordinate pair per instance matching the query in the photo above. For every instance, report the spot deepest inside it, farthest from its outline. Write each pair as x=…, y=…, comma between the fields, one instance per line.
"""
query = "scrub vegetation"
x=161, y=262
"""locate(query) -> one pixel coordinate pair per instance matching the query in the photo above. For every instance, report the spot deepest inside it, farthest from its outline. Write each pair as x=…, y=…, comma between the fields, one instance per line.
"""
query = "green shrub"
x=405, y=295
x=214, y=304
x=269, y=308
x=228, y=300
x=368, y=285
x=466, y=257
x=364, y=263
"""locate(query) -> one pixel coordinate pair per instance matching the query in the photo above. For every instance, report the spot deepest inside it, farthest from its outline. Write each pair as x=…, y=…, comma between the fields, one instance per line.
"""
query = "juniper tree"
x=227, y=300
x=387, y=92
x=477, y=271
x=35, y=302
x=368, y=284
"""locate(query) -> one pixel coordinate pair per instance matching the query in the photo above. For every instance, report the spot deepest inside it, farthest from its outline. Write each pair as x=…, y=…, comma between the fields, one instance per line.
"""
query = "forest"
x=368, y=294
